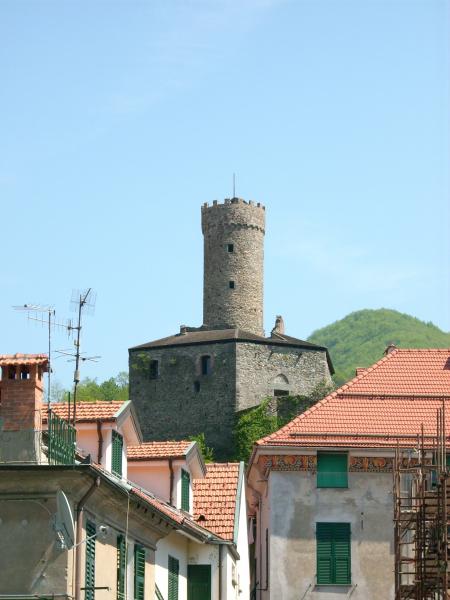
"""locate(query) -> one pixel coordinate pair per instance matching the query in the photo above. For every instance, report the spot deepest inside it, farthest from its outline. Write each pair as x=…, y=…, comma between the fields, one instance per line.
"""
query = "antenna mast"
x=37, y=308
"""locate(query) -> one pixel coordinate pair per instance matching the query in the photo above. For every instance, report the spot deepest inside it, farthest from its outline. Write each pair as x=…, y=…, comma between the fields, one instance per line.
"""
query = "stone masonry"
x=198, y=379
x=233, y=256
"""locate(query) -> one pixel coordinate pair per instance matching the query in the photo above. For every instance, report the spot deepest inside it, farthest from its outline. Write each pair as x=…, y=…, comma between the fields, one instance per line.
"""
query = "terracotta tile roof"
x=23, y=359
x=215, y=498
x=89, y=411
x=385, y=403
x=156, y=450
x=166, y=509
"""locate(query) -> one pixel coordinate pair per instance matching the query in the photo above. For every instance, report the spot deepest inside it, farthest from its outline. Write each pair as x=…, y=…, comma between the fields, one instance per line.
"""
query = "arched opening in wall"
x=281, y=385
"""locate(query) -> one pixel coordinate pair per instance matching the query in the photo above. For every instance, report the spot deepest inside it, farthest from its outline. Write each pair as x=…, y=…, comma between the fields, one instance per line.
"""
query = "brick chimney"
x=21, y=390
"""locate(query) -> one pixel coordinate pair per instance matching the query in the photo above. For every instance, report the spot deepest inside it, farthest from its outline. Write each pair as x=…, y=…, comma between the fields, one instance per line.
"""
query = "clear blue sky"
x=120, y=118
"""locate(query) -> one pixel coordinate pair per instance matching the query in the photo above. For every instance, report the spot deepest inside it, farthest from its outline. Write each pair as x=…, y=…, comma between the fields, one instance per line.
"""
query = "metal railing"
x=61, y=441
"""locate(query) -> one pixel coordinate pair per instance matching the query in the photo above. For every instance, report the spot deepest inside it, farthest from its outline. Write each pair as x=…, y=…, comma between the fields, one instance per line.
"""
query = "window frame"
x=121, y=566
x=139, y=577
x=152, y=373
x=333, y=553
x=89, y=566
x=116, y=453
x=173, y=572
x=335, y=478
x=185, y=499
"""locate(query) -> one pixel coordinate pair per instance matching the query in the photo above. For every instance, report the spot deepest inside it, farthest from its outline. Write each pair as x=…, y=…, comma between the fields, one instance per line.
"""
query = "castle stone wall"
x=169, y=407
x=260, y=369
x=242, y=225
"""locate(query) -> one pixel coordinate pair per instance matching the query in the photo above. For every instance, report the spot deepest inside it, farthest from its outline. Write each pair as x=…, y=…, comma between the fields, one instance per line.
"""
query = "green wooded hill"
x=360, y=339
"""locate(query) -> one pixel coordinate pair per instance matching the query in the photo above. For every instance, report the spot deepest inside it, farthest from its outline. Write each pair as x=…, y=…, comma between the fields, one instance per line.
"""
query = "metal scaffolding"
x=421, y=517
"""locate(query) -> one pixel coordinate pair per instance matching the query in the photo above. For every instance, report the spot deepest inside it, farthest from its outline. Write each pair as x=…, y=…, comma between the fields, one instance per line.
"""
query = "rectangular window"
x=206, y=365
x=333, y=553
x=231, y=285
x=89, y=571
x=185, y=490
x=174, y=567
x=139, y=572
x=154, y=369
x=230, y=248
x=121, y=567
x=117, y=448
x=332, y=470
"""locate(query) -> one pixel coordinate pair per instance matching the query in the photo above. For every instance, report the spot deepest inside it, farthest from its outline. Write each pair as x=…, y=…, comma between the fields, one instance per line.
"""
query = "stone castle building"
x=198, y=379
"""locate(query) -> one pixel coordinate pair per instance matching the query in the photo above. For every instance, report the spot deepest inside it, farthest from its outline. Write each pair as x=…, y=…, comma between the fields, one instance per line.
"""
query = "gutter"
x=100, y=442
x=171, y=481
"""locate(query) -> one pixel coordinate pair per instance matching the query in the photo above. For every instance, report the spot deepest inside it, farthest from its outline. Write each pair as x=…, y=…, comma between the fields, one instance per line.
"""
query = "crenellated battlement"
x=233, y=213
x=229, y=201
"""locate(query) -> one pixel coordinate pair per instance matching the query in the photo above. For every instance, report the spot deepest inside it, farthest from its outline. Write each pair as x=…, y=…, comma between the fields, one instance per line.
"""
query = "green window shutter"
x=121, y=567
x=89, y=577
x=117, y=446
x=185, y=490
x=199, y=582
x=139, y=572
x=342, y=570
x=333, y=553
x=174, y=567
x=332, y=470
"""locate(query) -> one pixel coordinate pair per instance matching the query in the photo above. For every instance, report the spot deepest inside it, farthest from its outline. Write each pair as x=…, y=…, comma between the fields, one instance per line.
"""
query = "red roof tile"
x=215, y=498
x=23, y=359
x=156, y=450
x=89, y=411
x=388, y=402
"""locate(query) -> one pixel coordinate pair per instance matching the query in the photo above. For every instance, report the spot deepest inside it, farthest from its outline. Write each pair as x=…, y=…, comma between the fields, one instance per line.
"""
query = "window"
x=205, y=365
x=89, y=575
x=185, y=490
x=281, y=392
x=199, y=582
x=230, y=248
x=139, y=572
x=174, y=567
x=154, y=369
x=231, y=285
x=196, y=386
x=333, y=553
x=332, y=470
x=121, y=567
x=117, y=447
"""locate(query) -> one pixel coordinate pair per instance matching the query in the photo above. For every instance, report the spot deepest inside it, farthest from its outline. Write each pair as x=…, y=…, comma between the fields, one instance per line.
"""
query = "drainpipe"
x=100, y=442
x=78, y=549
x=220, y=571
x=171, y=482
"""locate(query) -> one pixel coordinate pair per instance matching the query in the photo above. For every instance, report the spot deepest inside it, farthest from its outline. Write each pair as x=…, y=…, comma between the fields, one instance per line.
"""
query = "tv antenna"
x=83, y=302
x=37, y=312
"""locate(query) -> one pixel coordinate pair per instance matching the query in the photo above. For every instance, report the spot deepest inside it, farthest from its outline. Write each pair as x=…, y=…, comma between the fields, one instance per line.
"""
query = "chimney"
x=390, y=348
x=21, y=390
x=279, y=326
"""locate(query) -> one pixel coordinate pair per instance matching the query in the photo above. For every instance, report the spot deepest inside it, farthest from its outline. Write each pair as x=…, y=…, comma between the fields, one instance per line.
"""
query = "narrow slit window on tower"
x=154, y=369
x=196, y=386
x=206, y=364
x=230, y=248
x=231, y=285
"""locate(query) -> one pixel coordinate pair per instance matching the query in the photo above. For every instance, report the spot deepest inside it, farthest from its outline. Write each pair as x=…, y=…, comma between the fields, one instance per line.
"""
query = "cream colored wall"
x=207, y=554
x=87, y=441
x=242, y=565
x=153, y=477
x=175, y=545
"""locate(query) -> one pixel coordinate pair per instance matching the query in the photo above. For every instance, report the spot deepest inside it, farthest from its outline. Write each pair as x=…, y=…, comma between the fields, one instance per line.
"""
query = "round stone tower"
x=233, y=265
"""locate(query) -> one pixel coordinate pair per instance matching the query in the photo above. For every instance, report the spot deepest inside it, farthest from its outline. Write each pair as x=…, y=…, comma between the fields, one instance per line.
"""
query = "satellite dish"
x=64, y=524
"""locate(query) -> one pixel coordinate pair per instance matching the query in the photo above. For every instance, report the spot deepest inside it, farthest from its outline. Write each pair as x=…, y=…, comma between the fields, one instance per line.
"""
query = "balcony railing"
x=61, y=441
